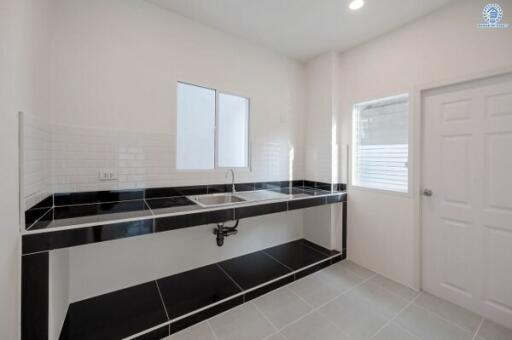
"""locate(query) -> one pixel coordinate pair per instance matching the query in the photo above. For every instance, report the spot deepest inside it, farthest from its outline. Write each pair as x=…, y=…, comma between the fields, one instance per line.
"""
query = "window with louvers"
x=380, y=152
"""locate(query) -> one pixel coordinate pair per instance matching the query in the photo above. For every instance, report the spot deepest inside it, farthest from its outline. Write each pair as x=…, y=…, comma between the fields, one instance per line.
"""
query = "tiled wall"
x=36, y=160
x=68, y=159
x=137, y=159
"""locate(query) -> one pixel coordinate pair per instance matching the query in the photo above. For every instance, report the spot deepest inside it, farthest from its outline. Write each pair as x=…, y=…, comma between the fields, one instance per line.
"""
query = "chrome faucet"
x=232, y=179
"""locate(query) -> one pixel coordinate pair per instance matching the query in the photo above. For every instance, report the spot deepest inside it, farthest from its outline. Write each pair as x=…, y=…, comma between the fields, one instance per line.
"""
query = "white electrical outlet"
x=107, y=175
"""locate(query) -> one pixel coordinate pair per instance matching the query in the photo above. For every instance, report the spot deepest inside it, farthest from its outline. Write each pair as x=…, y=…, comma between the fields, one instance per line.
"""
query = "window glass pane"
x=195, y=128
x=233, y=131
x=381, y=146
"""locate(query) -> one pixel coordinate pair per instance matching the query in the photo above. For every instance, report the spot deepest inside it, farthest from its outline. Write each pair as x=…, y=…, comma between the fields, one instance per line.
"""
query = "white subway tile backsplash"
x=72, y=157
x=36, y=160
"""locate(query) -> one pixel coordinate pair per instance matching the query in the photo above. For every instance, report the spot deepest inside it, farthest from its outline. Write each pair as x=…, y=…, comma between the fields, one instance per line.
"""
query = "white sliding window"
x=380, y=152
x=232, y=131
x=212, y=129
x=195, y=128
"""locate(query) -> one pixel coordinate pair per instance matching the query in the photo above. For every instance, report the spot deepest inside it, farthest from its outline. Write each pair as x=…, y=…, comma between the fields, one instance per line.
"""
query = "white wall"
x=34, y=74
x=441, y=46
x=23, y=65
x=322, y=225
x=108, y=266
x=115, y=66
x=9, y=237
x=319, y=111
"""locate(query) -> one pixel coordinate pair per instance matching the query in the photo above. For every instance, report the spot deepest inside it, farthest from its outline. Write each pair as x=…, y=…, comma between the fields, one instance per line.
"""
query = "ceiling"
x=303, y=29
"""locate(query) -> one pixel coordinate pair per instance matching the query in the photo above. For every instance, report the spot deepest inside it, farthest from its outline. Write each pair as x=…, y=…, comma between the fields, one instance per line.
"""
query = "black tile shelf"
x=296, y=255
x=160, y=210
x=186, y=292
x=115, y=315
x=254, y=269
x=159, y=308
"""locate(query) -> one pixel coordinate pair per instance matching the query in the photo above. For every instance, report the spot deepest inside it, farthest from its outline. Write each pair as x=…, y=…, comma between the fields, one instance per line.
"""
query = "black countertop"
x=76, y=224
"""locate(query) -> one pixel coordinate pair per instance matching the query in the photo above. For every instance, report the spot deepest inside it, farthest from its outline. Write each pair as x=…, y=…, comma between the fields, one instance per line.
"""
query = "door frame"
x=417, y=97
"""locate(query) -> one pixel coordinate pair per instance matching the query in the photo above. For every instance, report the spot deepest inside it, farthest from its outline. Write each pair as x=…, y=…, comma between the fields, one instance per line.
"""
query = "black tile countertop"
x=91, y=213
x=88, y=219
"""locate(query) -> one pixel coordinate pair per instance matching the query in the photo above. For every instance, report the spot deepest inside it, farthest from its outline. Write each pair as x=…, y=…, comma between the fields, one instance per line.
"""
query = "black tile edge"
x=309, y=184
x=89, y=197
x=298, y=183
x=273, y=185
x=312, y=269
x=156, y=334
x=33, y=215
x=261, y=209
x=341, y=187
x=47, y=202
x=193, y=219
x=218, y=188
x=35, y=296
x=33, y=243
x=319, y=248
x=175, y=191
x=253, y=294
x=326, y=186
x=306, y=203
x=338, y=258
x=336, y=198
x=245, y=186
x=344, y=229
x=239, y=187
x=193, y=319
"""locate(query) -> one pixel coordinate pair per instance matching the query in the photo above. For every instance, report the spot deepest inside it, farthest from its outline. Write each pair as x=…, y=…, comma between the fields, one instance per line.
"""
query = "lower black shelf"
x=159, y=308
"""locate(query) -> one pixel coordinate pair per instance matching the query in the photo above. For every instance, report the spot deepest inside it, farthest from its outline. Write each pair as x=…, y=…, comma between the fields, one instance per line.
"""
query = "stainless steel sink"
x=212, y=200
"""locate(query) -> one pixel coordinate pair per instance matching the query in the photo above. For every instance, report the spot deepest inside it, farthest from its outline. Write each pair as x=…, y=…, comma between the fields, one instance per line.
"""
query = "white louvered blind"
x=380, y=152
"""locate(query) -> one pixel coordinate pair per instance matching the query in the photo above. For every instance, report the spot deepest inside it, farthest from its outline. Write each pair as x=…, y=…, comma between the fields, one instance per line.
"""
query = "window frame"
x=216, y=168
x=353, y=149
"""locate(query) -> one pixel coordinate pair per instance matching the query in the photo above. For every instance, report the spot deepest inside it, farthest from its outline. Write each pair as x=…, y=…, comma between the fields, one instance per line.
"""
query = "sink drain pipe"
x=222, y=232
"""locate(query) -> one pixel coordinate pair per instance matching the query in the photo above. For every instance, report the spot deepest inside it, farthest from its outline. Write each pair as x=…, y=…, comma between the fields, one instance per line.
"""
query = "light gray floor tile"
x=354, y=315
x=357, y=269
x=381, y=300
x=276, y=336
x=429, y=326
x=394, y=287
x=339, y=277
x=201, y=331
x=449, y=311
x=242, y=323
x=394, y=332
x=282, y=307
x=313, y=327
x=493, y=331
x=352, y=310
x=315, y=290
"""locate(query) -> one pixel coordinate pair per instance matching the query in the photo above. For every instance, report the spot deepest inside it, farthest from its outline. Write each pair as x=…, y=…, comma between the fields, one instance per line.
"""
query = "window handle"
x=427, y=192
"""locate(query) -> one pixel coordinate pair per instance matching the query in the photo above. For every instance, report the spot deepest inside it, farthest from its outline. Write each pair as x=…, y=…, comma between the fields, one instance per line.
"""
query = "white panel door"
x=467, y=221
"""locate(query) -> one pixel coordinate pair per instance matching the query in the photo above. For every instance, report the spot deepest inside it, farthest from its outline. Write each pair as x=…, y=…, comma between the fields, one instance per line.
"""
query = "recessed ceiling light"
x=356, y=4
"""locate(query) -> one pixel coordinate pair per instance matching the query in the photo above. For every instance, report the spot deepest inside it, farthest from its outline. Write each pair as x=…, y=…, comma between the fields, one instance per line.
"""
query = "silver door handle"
x=427, y=192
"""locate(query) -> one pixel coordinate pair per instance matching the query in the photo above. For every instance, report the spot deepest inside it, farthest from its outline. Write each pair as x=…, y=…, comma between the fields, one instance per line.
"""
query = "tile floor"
x=345, y=302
